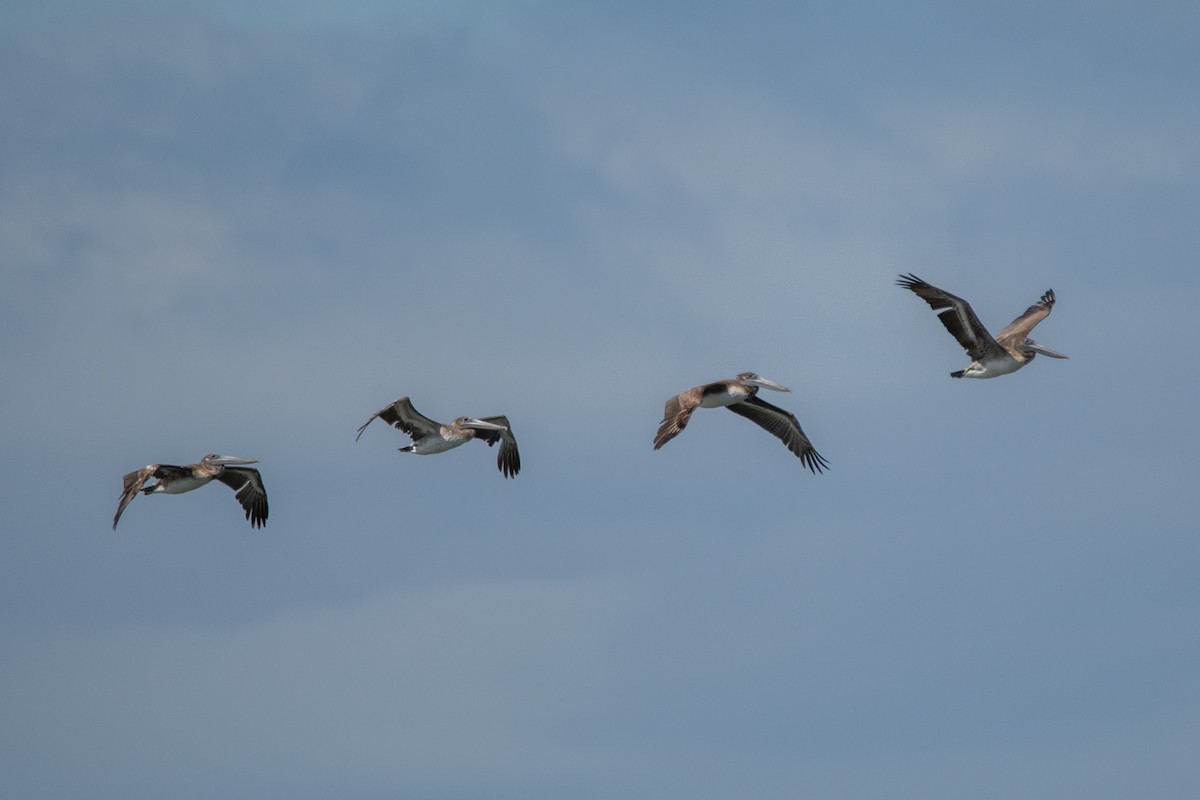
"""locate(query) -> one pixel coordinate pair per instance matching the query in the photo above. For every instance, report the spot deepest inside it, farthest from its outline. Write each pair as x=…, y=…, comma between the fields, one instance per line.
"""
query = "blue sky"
x=243, y=229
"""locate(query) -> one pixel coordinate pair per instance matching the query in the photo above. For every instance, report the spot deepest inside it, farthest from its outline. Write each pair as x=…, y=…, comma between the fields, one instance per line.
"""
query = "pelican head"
x=477, y=424
x=754, y=379
x=214, y=460
x=1030, y=347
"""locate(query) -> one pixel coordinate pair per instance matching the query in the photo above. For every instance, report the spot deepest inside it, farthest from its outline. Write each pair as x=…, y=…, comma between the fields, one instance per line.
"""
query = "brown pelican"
x=246, y=483
x=739, y=395
x=990, y=358
x=430, y=437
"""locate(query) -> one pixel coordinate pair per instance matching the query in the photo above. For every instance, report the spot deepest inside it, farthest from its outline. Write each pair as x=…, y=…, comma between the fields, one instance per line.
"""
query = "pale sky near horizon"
x=242, y=228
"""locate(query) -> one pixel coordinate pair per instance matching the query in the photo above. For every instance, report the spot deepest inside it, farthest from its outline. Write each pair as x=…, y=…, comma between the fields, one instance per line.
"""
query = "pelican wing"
x=676, y=414
x=403, y=416
x=958, y=317
x=509, y=458
x=785, y=426
x=247, y=485
x=134, y=482
x=131, y=484
x=1018, y=330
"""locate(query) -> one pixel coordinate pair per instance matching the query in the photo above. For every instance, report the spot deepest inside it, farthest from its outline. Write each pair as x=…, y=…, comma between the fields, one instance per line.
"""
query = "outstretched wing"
x=247, y=485
x=403, y=416
x=784, y=425
x=131, y=484
x=508, y=460
x=1018, y=330
x=676, y=414
x=958, y=317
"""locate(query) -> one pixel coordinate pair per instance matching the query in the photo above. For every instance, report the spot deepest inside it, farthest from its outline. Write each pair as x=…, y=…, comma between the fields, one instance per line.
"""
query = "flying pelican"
x=990, y=358
x=739, y=395
x=430, y=437
x=246, y=483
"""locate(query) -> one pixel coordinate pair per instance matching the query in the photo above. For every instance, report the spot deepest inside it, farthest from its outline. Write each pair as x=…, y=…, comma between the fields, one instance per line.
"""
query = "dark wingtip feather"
x=913, y=283
x=509, y=463
x=257, y=514
x=815, y=462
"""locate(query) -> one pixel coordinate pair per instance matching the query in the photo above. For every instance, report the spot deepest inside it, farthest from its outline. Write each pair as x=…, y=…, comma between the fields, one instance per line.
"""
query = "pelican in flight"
x=246, y=483
x=990, y=358
x=430, y=437
x=739, y=395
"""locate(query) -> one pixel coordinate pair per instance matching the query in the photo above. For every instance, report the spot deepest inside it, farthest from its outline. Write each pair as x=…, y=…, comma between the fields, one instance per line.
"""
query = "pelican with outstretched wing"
x=990, y=357
x=429, y=437
x=740, y=395
x=232, y=471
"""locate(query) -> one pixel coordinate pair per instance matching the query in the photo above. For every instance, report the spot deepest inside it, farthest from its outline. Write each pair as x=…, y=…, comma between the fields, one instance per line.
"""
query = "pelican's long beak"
x=1041, y=348
x=480, y=425
x=234, y=461
x=766, y=384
